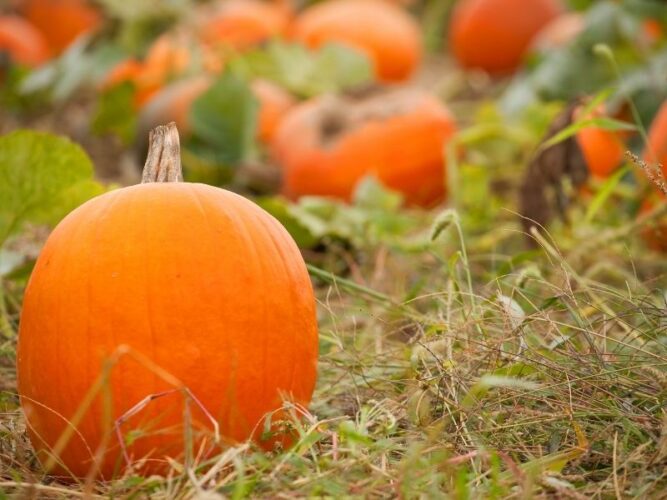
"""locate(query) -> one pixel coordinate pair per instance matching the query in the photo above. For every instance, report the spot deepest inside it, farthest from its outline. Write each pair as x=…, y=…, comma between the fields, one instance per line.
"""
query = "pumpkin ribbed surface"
x=200, y=281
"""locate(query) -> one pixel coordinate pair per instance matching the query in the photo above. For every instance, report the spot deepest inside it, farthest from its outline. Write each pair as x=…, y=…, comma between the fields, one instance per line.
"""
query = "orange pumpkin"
x=656, y=153
x=603, y=150
x=173, y=103
x=494, y=35
x=384, y=32
x=240, y=24
x=652, y=30
x=62, y=21
x=22, y=41
x=327, y=145
x=656, y=149
x=176, y=286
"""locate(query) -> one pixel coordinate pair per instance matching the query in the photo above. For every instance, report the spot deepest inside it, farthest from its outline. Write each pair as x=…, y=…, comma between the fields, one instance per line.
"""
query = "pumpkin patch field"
x=333, y=248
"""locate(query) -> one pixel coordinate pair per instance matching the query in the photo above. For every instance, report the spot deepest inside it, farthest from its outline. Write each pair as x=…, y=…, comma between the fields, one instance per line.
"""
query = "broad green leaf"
x=115, y=113
x=42, y=178
x=224, y=119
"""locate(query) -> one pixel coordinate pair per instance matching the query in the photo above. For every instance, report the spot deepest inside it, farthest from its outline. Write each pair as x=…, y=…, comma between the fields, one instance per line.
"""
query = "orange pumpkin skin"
x=384, y=32
x=405, y=151
x=62, y=21
x=603, y=150
x=22, y=41
x=199, y=280
x=652, y=30
x=241, y=24
x=493, y=35
x=656, y=151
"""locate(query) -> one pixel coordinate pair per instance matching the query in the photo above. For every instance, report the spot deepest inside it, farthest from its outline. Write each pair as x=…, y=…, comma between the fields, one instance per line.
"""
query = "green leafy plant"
x=115, y=113
x=224, y=121
x=304, y=72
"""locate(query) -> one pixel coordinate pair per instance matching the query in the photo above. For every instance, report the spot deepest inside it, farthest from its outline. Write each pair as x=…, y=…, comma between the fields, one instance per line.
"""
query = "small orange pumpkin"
x=327, y=145
x=656, y=150
x=603, y=150
x=241, y=24
x=493, y=35
x=176, y=286
x=381, y=30
x=656, y=154
x=22, y=41
x=62, y=21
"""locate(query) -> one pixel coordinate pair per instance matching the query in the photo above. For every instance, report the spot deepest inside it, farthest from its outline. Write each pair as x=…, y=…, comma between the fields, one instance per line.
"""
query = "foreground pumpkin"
x=327, y=145
x=384, y=32
x=176, y=287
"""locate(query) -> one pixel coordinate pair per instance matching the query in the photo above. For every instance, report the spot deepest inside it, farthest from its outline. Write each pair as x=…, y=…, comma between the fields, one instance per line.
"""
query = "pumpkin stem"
x=163, y=162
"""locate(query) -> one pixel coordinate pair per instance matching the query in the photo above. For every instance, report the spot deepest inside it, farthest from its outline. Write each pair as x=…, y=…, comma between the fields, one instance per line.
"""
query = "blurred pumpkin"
x=494, y=35
x=240, y=24
x=184, y=292
x=62, y=21
x=603, y=150
x=656, y=149
x=382, y=31
x=22, y=42
x=652, y=30
x=325, y=146
x=655, y=154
